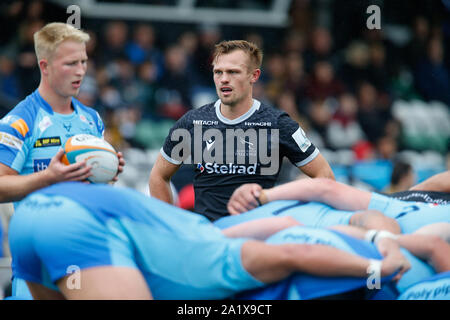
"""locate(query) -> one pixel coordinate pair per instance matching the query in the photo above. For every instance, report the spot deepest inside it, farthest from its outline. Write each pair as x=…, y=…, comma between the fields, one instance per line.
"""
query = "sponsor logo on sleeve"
x=47, y=142
x=10, y=141
x=40, y=164
x=300, y=138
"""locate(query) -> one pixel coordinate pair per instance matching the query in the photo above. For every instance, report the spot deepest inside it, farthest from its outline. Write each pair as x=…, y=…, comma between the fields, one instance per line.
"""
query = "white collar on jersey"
x=255, y=106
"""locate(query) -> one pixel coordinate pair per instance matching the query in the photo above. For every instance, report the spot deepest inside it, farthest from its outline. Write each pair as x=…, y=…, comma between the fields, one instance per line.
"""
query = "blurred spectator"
x=28, y=70
x=275, y=76
x=9, y=84
x=323, y=83
x=174, y=94
x=210, y=34
x=115, y=37
x=10, y=21
x=378, y=69
x=146, y=87
x=142, y=48
x=286, y=102
x=371, y=115
x=294, y=43
x=417, y=48
x=356, y=66
x=386, y=148
x=344, y=130
x=320, y=114
x=320, y=48
x=124, y=80
x=432, y=78
x=402, y=177
x=296, y=79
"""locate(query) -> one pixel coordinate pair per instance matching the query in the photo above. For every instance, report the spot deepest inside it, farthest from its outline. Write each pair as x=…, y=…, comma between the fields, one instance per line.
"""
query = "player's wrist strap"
x=262, y=199
x=376, y=235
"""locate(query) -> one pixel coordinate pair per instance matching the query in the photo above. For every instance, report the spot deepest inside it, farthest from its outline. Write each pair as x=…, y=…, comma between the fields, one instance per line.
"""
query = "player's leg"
x=441, y=230
x=106, y=283
x=270, y=263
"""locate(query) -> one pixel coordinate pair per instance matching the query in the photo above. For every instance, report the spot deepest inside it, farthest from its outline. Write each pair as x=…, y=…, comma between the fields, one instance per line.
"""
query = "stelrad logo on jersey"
x=227, y=168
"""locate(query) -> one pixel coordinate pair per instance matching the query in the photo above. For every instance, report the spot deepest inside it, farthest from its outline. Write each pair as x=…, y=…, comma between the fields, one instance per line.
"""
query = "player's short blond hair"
x=254, y=53
x=52, y=35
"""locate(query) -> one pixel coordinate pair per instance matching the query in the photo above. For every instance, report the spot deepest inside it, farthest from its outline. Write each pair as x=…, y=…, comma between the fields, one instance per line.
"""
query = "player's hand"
x=244, y=198
x=58, y=171
x=121, y=165
x=395, y=262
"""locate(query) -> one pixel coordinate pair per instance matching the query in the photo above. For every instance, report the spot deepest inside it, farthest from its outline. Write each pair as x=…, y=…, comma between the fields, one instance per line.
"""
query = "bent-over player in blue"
x=324, y=203
x=127, y=245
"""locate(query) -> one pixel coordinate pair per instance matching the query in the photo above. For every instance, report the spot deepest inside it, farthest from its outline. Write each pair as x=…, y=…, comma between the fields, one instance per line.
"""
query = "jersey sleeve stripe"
x=165, y=156
x=21, y=126
x=311, y=157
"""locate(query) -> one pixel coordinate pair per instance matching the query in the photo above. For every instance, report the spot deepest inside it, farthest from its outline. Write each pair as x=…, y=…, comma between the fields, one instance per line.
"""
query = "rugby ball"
x=97, y=153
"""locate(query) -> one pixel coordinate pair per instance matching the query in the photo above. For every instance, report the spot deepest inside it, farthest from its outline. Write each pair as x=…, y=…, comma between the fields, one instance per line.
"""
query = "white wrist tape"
x=384, y=234
x=370, y=235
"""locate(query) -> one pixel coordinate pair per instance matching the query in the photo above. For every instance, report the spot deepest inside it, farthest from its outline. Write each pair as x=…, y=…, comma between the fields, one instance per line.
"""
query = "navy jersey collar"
x=255, y=106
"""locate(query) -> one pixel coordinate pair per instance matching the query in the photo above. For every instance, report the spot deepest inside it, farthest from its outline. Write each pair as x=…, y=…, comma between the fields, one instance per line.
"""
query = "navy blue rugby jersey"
x=228, y=153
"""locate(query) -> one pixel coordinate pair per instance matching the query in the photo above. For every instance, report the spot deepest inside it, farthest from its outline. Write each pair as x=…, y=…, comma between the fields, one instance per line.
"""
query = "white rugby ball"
x=97, y=153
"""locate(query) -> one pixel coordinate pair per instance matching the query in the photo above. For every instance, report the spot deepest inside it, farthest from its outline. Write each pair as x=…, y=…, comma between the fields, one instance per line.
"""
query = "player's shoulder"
x=23, y=116
x=201, y=115
x=270, y=112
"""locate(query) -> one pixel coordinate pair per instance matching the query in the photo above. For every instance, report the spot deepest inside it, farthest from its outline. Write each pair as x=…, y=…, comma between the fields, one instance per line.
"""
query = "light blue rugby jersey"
x=31, y=133
x=181, y=254
x=410, y=215
x=313, y=214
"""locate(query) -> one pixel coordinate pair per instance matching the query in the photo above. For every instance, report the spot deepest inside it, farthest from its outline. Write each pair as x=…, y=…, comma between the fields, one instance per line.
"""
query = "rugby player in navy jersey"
x=235, y=140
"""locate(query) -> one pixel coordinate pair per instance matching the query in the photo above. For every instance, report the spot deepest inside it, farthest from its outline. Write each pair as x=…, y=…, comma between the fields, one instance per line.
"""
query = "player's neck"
x=232, y=112
x=58, y=103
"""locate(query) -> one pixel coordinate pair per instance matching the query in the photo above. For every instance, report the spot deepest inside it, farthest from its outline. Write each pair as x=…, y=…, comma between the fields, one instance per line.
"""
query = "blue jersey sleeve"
x=15, y=131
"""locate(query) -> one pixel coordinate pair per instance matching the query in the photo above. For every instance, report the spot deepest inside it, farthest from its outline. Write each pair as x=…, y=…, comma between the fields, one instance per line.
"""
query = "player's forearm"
x=439, y=183
x=335, y=194
x=427, y=247
x=17, y=187
x=323, y=260
x=160, y=189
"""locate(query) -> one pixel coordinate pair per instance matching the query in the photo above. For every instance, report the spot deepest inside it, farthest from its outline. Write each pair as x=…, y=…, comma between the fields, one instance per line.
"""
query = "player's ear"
x=43, y=65
x=255, y=75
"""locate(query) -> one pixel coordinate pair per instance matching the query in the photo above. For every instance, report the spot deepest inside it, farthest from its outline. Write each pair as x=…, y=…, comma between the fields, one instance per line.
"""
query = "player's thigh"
x=105, y=283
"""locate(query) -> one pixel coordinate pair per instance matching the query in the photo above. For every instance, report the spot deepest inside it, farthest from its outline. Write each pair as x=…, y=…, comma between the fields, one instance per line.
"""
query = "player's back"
x=312, y=214
x=410, y=215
